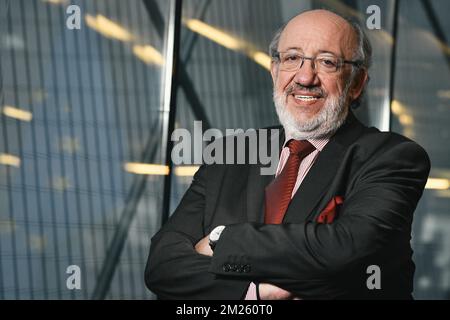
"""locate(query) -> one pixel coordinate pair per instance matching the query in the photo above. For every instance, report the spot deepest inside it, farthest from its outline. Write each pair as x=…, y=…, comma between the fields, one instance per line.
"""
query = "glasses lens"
x=327, y=64
x=290, y=60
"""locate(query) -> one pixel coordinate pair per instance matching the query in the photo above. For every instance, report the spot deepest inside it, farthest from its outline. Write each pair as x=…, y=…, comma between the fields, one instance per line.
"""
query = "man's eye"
x=292, y=58
x=327, y=62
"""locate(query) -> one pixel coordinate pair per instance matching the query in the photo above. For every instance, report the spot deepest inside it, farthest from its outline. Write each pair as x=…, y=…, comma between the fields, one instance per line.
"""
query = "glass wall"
x=85, y=115
x=420, y=110
x=79, y=108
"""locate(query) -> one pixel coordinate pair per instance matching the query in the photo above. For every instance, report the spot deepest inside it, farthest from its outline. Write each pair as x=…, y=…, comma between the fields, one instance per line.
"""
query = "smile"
x=305, y=98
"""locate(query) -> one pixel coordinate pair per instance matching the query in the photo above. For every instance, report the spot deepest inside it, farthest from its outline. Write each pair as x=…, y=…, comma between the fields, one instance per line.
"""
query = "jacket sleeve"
x=311, y=259
x=174, y=269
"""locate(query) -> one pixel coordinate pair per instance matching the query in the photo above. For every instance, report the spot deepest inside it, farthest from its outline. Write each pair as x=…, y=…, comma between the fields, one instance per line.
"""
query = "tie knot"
x=300, y=147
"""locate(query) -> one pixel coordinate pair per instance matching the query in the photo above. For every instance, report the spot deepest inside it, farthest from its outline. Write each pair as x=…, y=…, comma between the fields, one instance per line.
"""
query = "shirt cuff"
x=251, y=292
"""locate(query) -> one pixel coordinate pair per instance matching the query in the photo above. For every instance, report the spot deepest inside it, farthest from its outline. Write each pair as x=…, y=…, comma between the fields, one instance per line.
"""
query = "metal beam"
x=185, y=81
x=388, y=115
x=170, y=97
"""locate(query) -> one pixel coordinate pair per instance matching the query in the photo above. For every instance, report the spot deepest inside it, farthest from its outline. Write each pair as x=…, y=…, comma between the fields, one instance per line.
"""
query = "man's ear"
x=274, y=71
x=359, y=83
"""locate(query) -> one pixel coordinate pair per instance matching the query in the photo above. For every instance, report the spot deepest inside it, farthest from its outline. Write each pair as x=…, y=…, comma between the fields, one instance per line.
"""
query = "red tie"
x=279, y=191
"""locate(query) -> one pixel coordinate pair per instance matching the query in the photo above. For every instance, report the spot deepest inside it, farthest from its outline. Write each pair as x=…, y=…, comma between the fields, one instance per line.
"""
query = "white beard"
x=324, y=124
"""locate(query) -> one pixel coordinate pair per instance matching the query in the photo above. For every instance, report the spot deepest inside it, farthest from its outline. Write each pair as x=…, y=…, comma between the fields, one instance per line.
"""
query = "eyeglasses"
x=322, y=63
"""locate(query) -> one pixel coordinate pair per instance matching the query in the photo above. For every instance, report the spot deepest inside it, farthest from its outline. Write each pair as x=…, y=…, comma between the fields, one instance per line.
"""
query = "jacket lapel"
x=319, y=177
x=315, y=184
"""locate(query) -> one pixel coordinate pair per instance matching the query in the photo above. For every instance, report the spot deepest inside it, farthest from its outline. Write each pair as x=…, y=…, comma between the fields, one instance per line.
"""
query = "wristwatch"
x=214, y=236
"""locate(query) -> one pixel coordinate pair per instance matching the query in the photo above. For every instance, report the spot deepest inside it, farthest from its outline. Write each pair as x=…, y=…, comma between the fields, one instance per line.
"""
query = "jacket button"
x=226, y=267
x=247, y=268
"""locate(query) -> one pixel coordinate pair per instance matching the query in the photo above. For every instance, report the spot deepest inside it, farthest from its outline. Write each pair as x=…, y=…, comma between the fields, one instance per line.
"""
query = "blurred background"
x=86, y=116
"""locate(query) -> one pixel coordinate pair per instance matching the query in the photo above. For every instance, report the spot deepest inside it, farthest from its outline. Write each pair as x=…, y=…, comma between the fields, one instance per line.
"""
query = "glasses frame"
x=341, y=62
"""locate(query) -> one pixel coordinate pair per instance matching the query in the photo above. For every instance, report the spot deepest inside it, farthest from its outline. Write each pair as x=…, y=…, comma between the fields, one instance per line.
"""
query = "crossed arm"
x=374, y=225
x=267, y=291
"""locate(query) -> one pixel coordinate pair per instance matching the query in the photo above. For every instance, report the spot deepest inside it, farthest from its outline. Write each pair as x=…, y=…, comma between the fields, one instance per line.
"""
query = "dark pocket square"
x=329, y=213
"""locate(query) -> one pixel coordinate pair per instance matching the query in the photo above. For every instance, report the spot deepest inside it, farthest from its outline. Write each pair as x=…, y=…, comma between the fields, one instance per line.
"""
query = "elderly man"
x=334, y=222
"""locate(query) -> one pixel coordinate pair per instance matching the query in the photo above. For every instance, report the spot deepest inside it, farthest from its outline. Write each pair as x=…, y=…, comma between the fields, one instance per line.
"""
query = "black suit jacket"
x=381, y=177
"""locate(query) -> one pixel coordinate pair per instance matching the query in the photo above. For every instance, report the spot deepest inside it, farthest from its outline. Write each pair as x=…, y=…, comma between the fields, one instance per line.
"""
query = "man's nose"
x=306, y=75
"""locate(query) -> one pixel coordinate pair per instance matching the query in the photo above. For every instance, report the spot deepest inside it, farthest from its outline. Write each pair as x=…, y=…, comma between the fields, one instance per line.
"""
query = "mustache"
x=310, y=89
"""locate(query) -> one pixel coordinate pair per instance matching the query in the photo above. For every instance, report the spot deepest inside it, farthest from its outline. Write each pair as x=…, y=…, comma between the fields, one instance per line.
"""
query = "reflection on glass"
x=9, y=159
x=146, y=168
x=148, y=54
x=17, y=113
x=108, y=28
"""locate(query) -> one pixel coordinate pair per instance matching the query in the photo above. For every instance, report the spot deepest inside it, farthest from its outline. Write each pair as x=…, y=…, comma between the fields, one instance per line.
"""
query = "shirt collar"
x=319, y=144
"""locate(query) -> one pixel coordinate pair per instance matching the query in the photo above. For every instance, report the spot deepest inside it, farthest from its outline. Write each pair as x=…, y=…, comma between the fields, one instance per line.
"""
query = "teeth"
x=305, y=98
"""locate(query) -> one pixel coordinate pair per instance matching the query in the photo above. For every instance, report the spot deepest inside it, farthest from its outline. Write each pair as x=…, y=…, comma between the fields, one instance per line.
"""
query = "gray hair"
x=363, y=52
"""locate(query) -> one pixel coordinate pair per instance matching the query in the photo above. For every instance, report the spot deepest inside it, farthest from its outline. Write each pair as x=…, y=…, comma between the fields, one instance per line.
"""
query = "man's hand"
x=203, y=247
x=268, y=291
